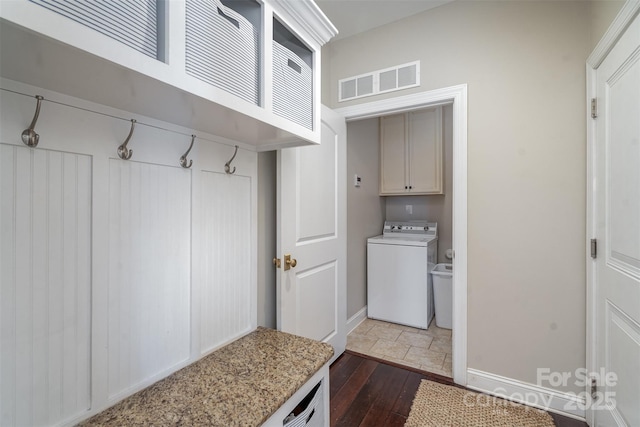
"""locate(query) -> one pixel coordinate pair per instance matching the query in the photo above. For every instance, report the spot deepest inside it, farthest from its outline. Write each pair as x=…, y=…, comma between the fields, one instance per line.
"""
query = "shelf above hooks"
x=227, y=166
x=123, y=152
x=29, y=136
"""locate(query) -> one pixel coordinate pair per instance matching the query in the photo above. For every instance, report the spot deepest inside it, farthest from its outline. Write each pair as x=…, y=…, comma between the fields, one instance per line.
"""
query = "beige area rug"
x=439, y=405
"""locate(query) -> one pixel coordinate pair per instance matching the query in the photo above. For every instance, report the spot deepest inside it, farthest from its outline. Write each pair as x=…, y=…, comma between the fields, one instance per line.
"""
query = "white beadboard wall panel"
x=226, y=258
x=132, y=296
x=45, y=271
x=149, y=271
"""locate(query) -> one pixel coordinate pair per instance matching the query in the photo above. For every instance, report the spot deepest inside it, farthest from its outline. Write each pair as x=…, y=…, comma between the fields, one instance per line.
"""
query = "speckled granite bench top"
x=241, y=384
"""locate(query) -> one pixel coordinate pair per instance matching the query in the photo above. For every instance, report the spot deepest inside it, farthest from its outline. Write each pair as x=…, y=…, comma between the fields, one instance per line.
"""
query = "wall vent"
x=380, y=81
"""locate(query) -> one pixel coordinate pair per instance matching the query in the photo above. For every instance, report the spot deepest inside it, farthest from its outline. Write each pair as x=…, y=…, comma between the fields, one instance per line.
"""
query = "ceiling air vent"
x=386, y=80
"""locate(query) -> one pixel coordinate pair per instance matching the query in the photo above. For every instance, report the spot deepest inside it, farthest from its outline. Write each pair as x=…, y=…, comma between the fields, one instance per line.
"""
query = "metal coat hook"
x=227, y=166
x=183, y=159
x=29, y=135
x=123, y=152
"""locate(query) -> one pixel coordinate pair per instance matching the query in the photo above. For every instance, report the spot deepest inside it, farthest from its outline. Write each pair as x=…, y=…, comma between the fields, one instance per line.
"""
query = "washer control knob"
x=399, y=227
x=426, y=228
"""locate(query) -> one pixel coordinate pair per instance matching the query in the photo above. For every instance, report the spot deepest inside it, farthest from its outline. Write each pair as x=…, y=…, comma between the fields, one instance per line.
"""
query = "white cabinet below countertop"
x=411, y=153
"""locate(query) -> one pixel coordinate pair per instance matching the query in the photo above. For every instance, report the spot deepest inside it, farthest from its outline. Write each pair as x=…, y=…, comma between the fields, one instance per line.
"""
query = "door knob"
x=289, y=262
x=276, y=262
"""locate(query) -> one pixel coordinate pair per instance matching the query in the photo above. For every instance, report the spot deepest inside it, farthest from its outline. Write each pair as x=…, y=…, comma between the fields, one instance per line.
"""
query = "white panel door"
x=617, y=201
x=312, y=229
x=45, y=285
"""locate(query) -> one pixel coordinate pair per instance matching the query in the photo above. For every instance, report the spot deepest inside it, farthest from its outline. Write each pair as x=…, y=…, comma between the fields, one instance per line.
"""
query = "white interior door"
x=312, y=230
x=617, y=222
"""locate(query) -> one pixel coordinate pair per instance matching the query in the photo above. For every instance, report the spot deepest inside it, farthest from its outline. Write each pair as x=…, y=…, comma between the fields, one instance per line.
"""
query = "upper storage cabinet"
x=411, y=153
x=245, y=70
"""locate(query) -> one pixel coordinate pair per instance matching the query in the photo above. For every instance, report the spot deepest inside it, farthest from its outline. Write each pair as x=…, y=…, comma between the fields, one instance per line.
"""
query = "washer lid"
x=402, y=240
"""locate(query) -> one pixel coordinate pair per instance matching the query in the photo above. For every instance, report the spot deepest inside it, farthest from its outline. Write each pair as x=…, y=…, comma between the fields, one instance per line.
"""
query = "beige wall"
x=365, y=209
x=602, y=15
x=524, y=63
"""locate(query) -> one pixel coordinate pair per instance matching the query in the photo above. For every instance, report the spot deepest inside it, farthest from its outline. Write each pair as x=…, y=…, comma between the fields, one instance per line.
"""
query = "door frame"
x=457, y=96
x=624, y=18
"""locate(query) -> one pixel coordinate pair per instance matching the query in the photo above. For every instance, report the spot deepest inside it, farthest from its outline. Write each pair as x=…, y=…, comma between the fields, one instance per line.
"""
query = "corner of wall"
x=266, y=238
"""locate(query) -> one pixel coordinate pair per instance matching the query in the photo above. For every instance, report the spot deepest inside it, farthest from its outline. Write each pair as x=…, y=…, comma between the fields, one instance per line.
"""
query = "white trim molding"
x=401, y=104
x=307, y=14
x=622, y=20
x=591, y=230
x=567, y=404
x=356, y=319
x=457, y=96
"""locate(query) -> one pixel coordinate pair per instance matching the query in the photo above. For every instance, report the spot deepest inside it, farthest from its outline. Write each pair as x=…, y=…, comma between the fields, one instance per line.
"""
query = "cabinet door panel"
x=392, y=154
x=425, y=151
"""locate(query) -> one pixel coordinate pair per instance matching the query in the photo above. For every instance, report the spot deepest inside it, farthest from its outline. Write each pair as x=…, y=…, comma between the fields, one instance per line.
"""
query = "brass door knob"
x=276, y=262
x=289, y=262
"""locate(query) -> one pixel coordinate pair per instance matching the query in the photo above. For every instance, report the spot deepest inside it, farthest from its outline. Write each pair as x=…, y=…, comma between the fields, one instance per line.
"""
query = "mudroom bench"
x=266, y=378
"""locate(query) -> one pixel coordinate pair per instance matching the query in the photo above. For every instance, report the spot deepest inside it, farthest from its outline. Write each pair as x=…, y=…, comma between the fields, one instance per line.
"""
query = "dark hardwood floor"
x=369, y=393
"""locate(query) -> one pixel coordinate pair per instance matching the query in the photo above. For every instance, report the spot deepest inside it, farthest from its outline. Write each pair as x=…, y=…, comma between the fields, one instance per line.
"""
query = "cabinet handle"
x=234, y=22
x=295, y=67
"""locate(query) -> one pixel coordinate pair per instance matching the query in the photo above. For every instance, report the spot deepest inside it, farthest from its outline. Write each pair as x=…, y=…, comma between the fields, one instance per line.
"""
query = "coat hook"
x=227, y=166
x=123, y=152
x=29, y=135
x=183, y=159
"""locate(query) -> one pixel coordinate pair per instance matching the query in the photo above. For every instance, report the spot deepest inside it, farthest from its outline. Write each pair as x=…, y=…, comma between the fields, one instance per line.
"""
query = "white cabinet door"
x=425, y=151
x=393, y=175
x=312, y=229
x=617, y=211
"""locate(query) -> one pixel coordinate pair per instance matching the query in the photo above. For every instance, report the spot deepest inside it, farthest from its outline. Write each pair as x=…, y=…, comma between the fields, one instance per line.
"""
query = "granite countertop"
x=241, y=384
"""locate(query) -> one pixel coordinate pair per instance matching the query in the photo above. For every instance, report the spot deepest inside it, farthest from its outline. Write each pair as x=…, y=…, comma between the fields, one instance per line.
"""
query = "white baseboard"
x=356, y=319
x=567, y=404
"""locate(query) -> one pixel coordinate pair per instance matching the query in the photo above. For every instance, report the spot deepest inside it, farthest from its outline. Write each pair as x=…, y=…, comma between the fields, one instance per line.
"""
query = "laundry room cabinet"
x=411, y=153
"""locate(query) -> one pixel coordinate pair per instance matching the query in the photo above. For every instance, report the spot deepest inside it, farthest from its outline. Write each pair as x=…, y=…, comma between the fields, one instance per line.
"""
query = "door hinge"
x=594, y=108
x=594, y=248
x=593, y=388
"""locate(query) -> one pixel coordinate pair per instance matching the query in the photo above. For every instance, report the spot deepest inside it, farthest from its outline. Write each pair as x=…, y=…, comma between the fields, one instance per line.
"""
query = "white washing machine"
x=399, y=261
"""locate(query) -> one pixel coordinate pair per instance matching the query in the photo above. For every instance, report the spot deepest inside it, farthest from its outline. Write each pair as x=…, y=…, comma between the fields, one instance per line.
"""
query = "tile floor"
x=428, y=350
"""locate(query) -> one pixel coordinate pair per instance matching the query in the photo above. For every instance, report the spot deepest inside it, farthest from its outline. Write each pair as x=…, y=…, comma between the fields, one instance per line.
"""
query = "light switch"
x=409, y=209
x=356, y=180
